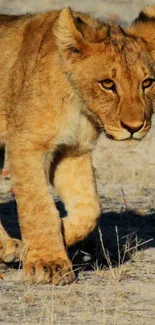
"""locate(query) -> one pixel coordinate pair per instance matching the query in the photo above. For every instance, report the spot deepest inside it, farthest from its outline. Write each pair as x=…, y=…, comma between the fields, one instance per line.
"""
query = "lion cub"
x=64, y=77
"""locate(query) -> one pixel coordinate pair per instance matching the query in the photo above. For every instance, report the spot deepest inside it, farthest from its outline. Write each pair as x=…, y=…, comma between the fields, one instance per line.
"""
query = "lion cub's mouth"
x=124, y=134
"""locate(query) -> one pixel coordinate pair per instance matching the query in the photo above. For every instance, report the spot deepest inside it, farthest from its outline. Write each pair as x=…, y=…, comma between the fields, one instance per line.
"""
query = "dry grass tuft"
x=121, y=270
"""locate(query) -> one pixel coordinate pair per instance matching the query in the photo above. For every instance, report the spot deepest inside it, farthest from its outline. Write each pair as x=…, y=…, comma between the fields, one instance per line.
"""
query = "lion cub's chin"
x=119, y=136
x=125, y=135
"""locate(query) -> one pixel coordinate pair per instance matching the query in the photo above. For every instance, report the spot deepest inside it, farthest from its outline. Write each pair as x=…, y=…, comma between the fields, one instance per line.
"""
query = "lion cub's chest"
x=76, y=131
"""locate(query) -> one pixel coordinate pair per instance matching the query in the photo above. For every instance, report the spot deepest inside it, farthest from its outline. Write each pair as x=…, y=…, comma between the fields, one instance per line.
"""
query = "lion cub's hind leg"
x=74, y=183
x=10, y=248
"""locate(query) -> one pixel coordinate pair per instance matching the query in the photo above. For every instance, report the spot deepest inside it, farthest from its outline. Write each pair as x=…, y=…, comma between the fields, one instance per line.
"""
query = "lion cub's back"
x=11, y=37
x=11, y=30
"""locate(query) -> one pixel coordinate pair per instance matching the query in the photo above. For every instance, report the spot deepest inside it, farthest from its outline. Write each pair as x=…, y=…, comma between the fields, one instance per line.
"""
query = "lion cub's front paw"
x=10, y=250
x=55, y=269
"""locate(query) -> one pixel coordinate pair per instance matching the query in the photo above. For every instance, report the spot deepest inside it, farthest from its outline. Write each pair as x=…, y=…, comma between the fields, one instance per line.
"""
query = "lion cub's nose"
x=132, y=128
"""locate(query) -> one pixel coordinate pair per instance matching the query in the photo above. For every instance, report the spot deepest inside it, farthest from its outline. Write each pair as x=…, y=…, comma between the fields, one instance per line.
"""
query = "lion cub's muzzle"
x=136, y=130
x=124, y=130
x=132, y=128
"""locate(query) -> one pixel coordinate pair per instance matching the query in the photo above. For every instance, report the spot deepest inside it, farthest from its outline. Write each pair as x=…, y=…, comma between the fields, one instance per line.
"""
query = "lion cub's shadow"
x=115, y=238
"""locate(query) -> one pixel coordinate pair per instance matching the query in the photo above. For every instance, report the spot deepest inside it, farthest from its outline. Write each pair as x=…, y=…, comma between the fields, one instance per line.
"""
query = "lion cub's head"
x=111, y=70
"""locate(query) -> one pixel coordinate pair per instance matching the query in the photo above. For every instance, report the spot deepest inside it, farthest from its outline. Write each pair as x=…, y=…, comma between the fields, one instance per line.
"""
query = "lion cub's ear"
x=144, y=26
x=68, y=32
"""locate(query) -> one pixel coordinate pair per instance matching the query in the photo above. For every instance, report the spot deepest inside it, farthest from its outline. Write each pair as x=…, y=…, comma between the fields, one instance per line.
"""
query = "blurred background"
x=126, y=9
x=125, y=171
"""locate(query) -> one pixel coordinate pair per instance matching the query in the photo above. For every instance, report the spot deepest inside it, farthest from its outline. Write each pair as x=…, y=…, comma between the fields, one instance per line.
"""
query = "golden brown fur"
x=144, y=26
x=10, y=248
x=52, y=68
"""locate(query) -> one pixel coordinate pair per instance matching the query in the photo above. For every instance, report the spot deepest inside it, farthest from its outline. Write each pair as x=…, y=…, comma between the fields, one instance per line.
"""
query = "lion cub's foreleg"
x=45, y=258
x=10, y=248
x=74, y=183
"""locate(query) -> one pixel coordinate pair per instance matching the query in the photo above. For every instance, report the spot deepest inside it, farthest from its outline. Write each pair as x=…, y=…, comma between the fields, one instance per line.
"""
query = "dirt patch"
x=115, y=280
x=97, y=298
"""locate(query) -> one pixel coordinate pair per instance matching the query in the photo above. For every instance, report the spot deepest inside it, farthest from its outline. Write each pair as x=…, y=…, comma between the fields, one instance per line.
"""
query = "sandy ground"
x=125, y=173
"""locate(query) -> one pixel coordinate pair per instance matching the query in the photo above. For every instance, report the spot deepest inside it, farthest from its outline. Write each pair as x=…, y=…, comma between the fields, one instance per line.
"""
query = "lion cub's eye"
x=147, y=83
x=107, y=84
